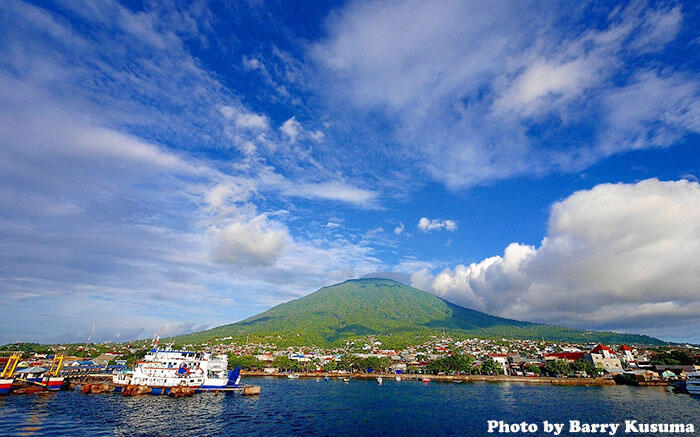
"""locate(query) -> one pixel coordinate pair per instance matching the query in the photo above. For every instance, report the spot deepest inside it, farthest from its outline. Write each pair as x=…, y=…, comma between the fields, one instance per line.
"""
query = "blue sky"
x=175, y=167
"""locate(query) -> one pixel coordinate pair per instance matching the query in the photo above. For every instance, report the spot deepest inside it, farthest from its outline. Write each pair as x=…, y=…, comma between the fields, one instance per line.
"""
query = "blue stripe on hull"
x=160, y=391
x=4, y=391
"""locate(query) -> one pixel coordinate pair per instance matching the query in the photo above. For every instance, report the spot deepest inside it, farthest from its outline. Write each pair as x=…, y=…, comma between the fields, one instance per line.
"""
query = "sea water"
x=358, y=407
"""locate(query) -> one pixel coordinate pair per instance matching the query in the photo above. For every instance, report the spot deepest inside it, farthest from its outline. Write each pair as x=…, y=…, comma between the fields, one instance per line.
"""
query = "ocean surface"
x=359, y=407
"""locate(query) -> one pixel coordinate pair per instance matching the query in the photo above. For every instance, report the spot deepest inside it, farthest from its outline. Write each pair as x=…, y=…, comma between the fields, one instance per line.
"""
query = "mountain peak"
x=365, y=306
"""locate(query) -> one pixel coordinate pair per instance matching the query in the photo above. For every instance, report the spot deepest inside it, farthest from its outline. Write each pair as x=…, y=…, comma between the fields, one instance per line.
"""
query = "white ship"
x=163, y=369
x=692, y=383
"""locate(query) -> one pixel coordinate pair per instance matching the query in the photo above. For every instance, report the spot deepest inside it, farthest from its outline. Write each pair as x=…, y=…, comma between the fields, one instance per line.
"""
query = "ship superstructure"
x=164, y=369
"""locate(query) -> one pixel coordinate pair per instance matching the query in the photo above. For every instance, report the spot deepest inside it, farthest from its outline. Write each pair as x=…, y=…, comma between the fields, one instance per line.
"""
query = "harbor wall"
x=448, y=378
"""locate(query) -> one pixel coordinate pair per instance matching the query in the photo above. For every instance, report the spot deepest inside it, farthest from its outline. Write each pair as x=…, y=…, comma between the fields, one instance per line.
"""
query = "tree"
x=557, y=367
x=532, y=368
x=674, y=356
x=585, y=366
x=248, y=362
x=285, y=363
x=132, y=358
x=458, y=363
x=348, y=363
x=330, y=366
x=491, y=367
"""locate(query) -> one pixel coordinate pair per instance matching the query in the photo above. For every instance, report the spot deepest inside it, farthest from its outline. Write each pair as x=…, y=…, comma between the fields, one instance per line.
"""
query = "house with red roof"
x=569, y=357
x=604, y=358
x=627, y=353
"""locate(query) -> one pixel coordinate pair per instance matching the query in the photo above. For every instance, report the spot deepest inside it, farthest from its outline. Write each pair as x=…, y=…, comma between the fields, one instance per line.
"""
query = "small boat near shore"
x=292, y=376
x=380, y=380
x=692, y=383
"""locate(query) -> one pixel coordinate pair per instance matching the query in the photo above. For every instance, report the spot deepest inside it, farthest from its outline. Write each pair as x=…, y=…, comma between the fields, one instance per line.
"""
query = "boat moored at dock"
x=5, y=385
x=692, y=383
x=6, y=377
x=161, y=370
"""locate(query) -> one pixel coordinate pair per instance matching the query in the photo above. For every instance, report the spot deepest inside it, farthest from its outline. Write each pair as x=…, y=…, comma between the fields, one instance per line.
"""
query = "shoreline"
x=539, y=380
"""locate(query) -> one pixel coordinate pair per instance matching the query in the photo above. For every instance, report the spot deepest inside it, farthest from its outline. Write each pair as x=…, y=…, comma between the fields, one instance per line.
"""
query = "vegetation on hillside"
x=674, y=357
x=393, y=311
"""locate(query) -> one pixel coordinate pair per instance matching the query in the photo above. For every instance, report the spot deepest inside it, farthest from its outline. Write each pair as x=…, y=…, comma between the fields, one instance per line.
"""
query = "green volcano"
x=361, y=307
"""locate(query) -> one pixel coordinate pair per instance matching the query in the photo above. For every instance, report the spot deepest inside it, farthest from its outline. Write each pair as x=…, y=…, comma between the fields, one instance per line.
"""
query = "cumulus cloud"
x=426, y=225
x=615, y=256
x=399, y=229
x=251, y=243
x=105, y=211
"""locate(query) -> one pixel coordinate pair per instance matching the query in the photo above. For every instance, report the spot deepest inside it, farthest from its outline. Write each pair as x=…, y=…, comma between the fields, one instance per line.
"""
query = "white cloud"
x=333, y=190
x=292, y=128
x=250, y=243
x=426, y=225
x=615, y=256
x=654, y=110
x=463, y=85
x=542, y=82
x=658, y=28
x=245, y=119
x=317, y=135
x=253, y=121
x=97, y=216
x=399, y=229
x=253, y=63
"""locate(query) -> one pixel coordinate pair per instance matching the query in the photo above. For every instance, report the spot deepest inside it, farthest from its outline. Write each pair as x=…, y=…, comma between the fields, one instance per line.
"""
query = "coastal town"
x=437, y=355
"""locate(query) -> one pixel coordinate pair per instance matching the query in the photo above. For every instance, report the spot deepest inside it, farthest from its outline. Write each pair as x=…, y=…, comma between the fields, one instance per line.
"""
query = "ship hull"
x=156, y=390
x=693, y=389
x=5, y=385
x=53, y=383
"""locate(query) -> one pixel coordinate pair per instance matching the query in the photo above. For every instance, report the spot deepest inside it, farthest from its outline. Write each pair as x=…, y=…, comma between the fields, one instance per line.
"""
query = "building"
x=569, y=357
x=604, y=358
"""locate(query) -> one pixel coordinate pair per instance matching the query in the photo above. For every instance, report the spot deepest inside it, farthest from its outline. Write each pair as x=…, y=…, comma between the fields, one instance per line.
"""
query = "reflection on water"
x=38, y=414
x=334, y=408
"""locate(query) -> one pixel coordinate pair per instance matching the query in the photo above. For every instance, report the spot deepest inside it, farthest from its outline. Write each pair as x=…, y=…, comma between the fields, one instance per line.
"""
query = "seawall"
x=448, y=378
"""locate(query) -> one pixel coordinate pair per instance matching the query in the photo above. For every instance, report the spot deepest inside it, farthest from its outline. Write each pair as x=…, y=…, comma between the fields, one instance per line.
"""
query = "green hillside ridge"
x=360, y=307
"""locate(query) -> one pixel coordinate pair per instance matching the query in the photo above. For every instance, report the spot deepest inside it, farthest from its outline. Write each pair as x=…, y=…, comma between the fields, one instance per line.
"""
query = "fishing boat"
x=6, y=377
x=346, y=379
x=38, y=376
x=293, y=376
x=692, y=383
x=379, y=380
x=397, y=378
x=5, y=385
x=161, y=370
x=425, y=380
